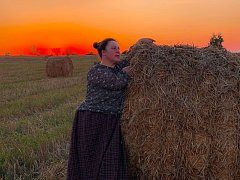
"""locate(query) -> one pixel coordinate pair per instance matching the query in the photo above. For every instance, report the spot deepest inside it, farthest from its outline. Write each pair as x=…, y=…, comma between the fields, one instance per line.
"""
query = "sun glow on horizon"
x=29, y=26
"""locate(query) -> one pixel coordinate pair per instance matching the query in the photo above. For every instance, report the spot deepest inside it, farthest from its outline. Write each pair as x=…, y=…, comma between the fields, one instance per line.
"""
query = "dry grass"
x=182, y=113
x=36, y=114
x=54, y=171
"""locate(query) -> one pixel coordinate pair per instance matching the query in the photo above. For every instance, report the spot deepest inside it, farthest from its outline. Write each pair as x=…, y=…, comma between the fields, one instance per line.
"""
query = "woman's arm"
x=107, y=79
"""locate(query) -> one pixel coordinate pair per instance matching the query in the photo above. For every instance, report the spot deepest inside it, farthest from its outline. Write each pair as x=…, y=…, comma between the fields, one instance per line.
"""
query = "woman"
x=97, y=149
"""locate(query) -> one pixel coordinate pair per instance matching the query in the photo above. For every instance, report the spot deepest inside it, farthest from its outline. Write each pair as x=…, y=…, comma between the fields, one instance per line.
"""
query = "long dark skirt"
x=97, y=148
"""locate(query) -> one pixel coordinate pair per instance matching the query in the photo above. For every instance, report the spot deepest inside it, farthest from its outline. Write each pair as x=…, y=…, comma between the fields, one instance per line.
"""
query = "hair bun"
x=95, y=45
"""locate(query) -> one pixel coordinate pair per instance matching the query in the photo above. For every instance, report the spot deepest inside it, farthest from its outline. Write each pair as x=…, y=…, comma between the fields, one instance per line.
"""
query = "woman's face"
x=112, y=52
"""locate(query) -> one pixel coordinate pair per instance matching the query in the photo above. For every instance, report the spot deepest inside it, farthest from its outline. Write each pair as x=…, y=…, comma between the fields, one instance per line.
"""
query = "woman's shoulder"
x=98, y=68
x=95, y=66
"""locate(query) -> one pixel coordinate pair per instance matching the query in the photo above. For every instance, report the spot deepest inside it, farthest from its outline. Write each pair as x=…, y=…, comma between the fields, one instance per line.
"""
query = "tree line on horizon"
x=215, y=41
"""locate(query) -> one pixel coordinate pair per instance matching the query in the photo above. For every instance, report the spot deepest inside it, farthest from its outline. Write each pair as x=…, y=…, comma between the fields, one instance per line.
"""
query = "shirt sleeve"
x=108, y=79
x=123, y=63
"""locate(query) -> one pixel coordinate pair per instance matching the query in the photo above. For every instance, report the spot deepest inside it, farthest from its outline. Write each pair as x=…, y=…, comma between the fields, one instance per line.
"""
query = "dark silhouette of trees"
x=216, y=41
x=56, y=51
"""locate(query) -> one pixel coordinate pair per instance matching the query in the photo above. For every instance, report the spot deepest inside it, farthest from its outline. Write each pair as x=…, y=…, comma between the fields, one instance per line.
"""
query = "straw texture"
x=182, y=112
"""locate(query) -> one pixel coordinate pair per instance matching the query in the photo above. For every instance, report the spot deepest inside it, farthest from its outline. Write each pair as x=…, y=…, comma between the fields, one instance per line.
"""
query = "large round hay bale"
x=182, y=113
x=59, y=66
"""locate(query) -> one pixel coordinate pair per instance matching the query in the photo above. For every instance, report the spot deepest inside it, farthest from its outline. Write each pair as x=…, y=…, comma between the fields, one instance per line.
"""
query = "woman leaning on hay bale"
x=97, y=149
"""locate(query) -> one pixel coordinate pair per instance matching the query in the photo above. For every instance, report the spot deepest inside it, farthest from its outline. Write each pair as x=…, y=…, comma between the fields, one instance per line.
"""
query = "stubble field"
x=36, y=114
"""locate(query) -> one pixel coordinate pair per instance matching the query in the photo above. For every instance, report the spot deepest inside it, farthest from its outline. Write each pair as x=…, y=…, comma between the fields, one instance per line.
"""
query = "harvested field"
x=36, y=114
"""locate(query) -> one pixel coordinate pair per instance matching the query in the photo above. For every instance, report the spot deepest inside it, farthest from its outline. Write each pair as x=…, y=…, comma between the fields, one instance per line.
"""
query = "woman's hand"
x=147, y=40
x=126, y=69
x=142, y=40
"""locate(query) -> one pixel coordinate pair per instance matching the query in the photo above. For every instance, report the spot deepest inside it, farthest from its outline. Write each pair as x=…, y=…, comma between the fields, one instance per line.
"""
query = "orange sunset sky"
x=76, y=24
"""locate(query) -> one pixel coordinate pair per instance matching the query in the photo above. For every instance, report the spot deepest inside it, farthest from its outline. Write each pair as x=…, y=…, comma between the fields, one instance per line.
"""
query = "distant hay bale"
x=59, y=66
x=182, y=113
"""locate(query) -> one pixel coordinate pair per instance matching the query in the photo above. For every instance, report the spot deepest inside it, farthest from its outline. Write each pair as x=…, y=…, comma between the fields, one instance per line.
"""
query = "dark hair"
x=102, y=45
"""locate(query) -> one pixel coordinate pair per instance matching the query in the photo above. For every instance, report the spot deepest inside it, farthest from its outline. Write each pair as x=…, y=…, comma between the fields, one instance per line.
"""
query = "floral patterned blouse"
x=105, y=88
